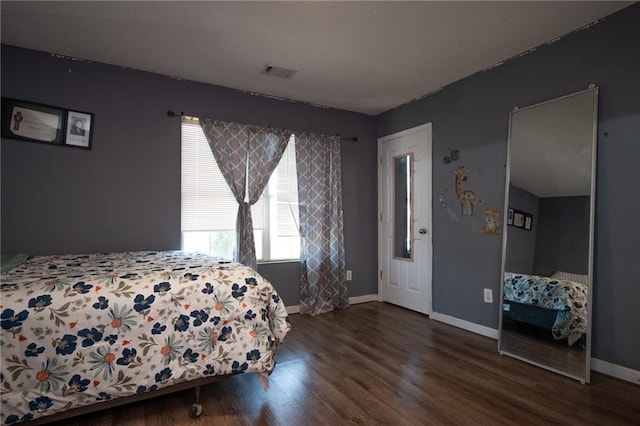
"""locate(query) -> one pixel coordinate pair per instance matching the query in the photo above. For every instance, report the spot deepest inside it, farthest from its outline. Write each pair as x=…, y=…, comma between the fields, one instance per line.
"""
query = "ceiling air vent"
x=278, y=72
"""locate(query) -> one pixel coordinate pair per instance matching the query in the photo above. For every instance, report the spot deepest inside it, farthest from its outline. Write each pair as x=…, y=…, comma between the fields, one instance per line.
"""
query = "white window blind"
x=209, y=209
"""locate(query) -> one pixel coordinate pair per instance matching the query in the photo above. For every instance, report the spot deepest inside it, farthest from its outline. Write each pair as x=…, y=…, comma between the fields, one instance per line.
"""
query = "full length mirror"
x=548, y=243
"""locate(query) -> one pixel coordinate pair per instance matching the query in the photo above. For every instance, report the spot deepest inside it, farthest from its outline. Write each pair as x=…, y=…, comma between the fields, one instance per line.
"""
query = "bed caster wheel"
x=196, y=410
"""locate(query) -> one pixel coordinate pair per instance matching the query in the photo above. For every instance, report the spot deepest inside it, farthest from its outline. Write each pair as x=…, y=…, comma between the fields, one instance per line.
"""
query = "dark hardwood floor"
x=377, y=363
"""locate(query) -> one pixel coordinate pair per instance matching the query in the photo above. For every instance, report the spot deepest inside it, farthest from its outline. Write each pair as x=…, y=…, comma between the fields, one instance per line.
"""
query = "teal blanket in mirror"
x=78, y=330
x=567, y=297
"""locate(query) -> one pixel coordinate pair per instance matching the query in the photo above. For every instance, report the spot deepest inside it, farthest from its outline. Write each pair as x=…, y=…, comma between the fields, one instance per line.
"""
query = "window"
x=209, y=209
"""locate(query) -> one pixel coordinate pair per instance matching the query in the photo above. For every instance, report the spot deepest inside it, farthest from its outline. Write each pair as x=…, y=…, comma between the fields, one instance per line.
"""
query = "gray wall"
x=562, y=239
x=124, y=194
x=522, y=243
x=473, y=116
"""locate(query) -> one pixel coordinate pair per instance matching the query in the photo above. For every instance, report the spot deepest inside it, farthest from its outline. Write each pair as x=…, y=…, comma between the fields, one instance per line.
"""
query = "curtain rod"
x=182, y=114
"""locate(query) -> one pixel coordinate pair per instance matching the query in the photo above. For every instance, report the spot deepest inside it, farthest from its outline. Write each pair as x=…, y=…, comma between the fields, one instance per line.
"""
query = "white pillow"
x=567, y=276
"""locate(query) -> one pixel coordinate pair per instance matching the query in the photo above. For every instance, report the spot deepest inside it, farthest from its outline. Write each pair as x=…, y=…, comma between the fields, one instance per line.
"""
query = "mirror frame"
x=587, y=373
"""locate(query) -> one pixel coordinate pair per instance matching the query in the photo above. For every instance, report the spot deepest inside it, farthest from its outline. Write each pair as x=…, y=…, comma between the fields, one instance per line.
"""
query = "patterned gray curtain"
x=322, y=282
x=243, y=150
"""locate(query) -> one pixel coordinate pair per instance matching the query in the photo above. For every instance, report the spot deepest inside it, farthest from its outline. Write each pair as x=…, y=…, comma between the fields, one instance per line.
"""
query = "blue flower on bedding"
x=82, y=288
x=33, y=350
x=254, y=355
x=237, y=291
x=129, y=276
x=237, y=368
x=102, y=303
x=40, y=404
x=191, y=276
x=103, y=396
x=39, y=303
x=275, y=298
x=208, y=370
x=128, y=356
x=10, y=319
x=199, y=317
x=90, y=336
x=111, y=339
x=162, y=288
x=190, y=356
x=14, y=418
x=164, y=375
x=225, y=334
x=66, y=345
x=208, y=288
x=249, y=315
x=77, y=384
x=264, y=314
x=215, y=320
x=181, y=323
x=142, y=303
x=251, y=281
x=143, y=389
x=158, y=328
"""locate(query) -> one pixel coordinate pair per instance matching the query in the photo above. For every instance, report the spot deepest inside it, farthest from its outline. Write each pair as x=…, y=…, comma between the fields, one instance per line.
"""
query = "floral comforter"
x=81, y=329
x=567, y=297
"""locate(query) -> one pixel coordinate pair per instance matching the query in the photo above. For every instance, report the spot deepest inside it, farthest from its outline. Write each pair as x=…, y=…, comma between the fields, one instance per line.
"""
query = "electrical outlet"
x=488, y=295
x=349, y=276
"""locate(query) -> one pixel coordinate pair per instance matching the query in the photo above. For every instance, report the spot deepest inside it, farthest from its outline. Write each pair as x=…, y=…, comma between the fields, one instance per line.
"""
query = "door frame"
x=428, y=186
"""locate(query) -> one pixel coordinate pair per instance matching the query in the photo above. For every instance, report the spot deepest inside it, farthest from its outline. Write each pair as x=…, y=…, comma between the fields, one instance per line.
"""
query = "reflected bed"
x=547, y=302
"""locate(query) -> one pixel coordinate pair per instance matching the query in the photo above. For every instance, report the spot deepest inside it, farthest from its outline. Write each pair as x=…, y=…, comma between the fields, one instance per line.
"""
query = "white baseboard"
x=617, y=371
x=295, y=309
x=465, y=325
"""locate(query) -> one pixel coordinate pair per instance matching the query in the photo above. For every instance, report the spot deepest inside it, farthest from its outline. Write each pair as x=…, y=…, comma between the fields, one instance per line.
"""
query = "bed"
x=93, y=330
x=553, y=303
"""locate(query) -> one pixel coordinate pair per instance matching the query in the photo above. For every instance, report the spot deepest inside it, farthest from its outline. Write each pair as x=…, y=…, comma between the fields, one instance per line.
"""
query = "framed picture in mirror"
x=519, y=219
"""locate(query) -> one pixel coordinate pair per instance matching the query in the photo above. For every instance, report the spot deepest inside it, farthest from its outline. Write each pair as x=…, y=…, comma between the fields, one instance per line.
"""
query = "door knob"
x=422, y=230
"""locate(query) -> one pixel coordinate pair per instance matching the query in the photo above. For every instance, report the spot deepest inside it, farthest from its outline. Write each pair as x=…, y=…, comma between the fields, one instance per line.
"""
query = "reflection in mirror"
x=548, y=238
x=402, y=208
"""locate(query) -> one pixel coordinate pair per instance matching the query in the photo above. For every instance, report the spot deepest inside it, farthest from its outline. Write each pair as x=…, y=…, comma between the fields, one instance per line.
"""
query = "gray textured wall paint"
x=473, y=116
x=562, y=240
x=124, y=194
x=520, y=242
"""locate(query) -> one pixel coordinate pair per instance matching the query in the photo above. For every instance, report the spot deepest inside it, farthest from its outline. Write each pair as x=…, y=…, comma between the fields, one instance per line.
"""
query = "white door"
x=404, y=213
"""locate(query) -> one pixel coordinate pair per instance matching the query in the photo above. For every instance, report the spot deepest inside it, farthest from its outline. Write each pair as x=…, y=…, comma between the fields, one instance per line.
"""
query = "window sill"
x=273, y=262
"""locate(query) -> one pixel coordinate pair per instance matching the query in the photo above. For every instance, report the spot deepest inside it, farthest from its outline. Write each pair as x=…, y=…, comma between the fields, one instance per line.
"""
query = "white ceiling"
x=362, y=56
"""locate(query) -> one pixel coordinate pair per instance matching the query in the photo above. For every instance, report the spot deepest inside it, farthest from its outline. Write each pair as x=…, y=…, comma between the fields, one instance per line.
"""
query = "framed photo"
x=79, y=129
x=33, y=122
x=519, y=219
x=528, y=221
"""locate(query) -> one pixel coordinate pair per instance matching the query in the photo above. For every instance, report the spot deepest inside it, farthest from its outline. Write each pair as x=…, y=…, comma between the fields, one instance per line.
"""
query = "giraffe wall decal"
x=465, y=196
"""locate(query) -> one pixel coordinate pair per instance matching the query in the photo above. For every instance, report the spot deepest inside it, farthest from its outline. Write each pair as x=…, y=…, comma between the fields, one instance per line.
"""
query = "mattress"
x=78, y=330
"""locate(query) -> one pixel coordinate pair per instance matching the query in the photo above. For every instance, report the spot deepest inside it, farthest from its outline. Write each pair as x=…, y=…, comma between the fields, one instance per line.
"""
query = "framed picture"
x=79, y=129
x=528, y=221
x=33, y=122
x=519, y=219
